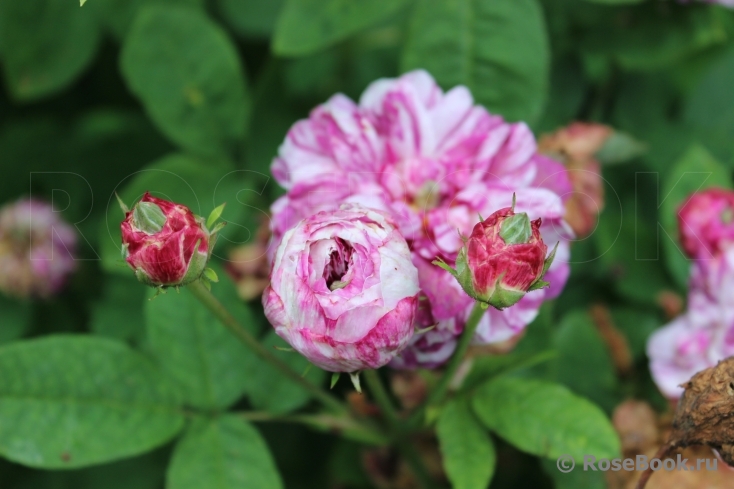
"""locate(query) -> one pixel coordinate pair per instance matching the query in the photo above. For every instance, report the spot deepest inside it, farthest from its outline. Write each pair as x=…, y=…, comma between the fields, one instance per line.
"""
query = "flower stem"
x=229, y=321
x=439, y=391
x=382, y=398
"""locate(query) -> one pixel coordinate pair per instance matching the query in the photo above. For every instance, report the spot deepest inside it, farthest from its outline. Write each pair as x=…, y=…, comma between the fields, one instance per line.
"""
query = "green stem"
x=382, y=398
x=379, y=393
x=224, y=317
x=439, y=391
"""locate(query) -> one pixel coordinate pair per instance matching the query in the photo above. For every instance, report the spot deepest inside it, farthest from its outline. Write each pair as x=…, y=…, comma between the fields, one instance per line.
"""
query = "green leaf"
x=222, y=453
x=253, y=18
x=118, y=15
x=188, y=75
x=584, y=363
x=545, y=419
x=46, y=45
x=72, y=401
x=469, y=456
x=143, y=472
x=696, y=170
x=497, y=48
x=119, y=313
x=485, y=367
x=199, y=354
x=15, y=318
x=269, y=390
x=306, y=26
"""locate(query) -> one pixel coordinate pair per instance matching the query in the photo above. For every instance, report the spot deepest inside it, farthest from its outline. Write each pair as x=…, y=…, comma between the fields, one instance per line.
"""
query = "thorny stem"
x=229, y=321
x=381, y=397
x=439, y=391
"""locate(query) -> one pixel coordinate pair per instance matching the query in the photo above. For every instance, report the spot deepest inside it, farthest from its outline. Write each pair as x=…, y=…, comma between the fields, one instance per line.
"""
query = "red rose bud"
x=165, y=243
x=503, y=259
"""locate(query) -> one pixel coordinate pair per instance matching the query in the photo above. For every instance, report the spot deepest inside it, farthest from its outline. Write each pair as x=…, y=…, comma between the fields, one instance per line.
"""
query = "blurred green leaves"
x=497, y=48
x=45, y=45
x=73, y=401
x=222, y=453
x=306, y=26
x=188, y=75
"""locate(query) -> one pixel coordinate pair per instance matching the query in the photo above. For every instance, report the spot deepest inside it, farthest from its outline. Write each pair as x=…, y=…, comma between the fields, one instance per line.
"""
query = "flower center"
x=338, y=265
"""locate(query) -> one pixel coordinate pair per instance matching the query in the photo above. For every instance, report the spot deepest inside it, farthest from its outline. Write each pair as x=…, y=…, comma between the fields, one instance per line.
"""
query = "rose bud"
x=343, y=290
x=36, y=248
x=165, y=243
x=706, y=222
x=502, y=260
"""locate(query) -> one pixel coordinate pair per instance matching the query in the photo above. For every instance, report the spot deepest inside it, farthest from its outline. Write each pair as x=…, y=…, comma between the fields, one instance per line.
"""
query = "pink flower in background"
x=164, y=243
x=433, y=161
x=36, y=249
x=343, y=290
x=704, y=334
x=706, y=223
x=694, y=341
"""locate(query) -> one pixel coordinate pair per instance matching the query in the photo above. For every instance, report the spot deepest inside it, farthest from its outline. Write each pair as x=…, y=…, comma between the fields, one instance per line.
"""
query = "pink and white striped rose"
x=343, y=290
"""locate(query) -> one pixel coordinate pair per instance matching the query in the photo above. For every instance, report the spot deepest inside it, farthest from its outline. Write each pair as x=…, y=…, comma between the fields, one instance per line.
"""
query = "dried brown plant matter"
x=704, y=415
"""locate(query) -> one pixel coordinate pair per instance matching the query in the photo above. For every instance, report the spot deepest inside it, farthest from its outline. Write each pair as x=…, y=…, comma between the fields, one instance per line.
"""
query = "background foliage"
x=101, y=388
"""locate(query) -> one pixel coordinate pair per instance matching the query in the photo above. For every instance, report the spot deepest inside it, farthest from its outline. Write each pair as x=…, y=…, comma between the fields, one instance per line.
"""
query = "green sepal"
x=143, y=277
x=211, y=275
x=206, y=284
x=354, y=376
x=284, y=348
x=516, y=229
x=124, y=251
x=502, y=298
x=215, y=215
x=538, y=284
x=548, y=261
x=148, y=217
x=218, y=228
x=334, y=379
x=124, y=207
x=196, y=266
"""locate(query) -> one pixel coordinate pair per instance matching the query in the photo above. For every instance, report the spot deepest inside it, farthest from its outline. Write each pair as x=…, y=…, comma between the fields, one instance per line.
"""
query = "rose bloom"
x=343, y=290
x=434, y=162
x=706, y=223
x=36, y=249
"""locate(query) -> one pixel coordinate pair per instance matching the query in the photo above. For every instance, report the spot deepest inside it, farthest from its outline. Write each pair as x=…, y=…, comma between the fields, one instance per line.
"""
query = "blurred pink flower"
x=704, y=334
x=343, y=290
x=36, y=249
x=706, y=223
x=434, y=161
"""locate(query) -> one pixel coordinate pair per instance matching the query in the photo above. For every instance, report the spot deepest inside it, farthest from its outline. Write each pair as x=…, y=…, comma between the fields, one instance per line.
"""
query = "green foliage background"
x=102, y=389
